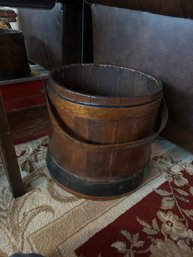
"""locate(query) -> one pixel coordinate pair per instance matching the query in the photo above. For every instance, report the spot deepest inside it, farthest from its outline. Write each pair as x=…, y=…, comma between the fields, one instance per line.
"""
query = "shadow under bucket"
x=103, y=119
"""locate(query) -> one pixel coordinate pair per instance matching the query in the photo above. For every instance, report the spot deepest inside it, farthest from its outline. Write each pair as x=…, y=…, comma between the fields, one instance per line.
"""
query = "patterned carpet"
x=160, y=225
x=52, y=222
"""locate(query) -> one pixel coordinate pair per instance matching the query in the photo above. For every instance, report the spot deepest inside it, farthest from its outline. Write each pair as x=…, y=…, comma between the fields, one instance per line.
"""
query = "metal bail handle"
x=118, y=146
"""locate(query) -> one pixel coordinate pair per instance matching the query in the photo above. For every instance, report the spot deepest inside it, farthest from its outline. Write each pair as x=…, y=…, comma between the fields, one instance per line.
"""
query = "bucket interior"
x=106, y=81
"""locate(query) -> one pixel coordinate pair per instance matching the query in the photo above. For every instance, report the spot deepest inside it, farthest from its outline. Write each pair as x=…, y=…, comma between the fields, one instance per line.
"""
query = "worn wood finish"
x=100, y=84
x=103, y=103
x=8, y=154
x=14, y=63
x=95, y=141
x=94, y=169
x=94, y=189
x=28, y=124
x=107, y=125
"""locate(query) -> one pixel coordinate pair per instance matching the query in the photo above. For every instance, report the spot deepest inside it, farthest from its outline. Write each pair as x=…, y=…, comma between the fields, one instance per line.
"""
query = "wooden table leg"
x=8, y=154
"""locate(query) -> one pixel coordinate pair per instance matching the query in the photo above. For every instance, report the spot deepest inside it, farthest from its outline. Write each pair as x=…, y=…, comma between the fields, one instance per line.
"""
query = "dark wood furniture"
x=19, y=121
x=18, y=127
x=8, y=154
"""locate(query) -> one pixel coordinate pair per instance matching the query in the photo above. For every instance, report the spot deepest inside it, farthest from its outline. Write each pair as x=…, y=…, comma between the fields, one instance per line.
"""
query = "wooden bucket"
x=102, y=123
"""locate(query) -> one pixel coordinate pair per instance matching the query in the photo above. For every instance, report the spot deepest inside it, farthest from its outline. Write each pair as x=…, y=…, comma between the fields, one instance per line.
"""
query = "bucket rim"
x=93, y=98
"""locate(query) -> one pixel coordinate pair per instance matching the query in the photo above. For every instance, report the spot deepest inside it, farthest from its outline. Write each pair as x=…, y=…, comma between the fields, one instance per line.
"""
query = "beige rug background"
x=50, y=221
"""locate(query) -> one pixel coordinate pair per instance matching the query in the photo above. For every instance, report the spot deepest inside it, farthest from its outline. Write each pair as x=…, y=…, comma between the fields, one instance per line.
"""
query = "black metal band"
x=94, y=188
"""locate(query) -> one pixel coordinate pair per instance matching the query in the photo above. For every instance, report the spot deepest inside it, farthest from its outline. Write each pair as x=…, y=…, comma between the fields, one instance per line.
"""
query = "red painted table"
x=26, y=92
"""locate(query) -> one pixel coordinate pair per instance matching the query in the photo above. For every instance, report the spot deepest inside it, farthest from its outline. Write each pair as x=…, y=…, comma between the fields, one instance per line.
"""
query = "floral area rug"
x=155, y=220
x=160, y=225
